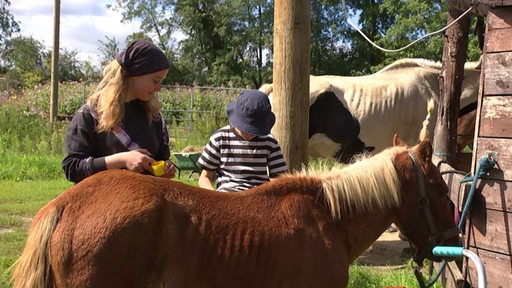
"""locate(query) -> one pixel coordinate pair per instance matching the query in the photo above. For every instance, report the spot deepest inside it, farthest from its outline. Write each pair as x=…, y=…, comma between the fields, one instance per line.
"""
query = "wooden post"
x=290, y=101
x=450, y=87
x=54, y=90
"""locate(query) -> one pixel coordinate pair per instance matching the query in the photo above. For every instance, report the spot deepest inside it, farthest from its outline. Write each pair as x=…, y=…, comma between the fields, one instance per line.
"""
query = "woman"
x=121, y=126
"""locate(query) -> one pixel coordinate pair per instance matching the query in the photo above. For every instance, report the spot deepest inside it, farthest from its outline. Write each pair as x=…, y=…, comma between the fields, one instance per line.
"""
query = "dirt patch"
x=389, y=251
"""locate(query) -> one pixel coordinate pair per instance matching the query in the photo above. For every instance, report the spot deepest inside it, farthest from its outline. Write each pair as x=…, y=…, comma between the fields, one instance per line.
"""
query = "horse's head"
x=424, y=216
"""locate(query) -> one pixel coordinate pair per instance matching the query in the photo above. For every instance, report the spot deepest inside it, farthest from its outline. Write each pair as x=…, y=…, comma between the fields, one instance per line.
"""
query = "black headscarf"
x=142, y=57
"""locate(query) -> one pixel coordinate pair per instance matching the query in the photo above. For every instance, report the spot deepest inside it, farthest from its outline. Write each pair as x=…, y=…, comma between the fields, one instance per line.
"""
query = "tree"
x=109, y=49
x=230, y=41
x=328, y=43
x=8, y=25
x=29, y=63
x=156, y=17
x=412, y=20
x=227, y=40
x=137, y=36
x=24, y=59
x=70, y=68
x=158, y=20
x=90, y=72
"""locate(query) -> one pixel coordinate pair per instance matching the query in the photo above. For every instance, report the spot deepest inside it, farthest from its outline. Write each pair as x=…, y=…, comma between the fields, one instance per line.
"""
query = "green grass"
x=19, y=201
x=369, y=277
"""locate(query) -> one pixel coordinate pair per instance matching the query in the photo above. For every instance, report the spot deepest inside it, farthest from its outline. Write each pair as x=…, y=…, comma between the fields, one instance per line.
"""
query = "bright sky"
x=82, y=24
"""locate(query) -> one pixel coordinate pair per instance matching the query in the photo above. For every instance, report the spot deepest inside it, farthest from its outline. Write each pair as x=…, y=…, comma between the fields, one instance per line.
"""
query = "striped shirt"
x=240, y=164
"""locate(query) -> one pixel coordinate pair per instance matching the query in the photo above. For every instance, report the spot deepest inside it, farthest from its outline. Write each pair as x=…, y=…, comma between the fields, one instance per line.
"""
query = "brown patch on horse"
x=466, y=130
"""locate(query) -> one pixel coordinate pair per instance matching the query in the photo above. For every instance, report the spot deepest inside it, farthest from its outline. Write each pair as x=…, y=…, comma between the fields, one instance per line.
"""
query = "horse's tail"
x=424, y=131
x=32, y=269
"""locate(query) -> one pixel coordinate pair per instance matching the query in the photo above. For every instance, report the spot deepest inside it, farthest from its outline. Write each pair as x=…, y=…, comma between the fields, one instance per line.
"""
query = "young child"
x=243, y=154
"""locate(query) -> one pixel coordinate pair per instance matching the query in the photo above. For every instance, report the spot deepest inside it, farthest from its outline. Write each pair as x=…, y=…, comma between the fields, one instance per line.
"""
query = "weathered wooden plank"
x=495, y=117
x=493, y=194
x=499, y=18
x=498, y=3
x=497, y=73
x=498, y=40
x=490, y=229
x=498, y=268
x=503, y=147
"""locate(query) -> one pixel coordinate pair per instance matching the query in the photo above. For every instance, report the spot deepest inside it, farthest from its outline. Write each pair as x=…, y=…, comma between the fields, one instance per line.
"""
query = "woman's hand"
x=136, y=160
x=170, y=170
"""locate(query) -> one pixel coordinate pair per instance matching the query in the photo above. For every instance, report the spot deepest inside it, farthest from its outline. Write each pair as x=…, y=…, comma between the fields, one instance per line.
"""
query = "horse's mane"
x=363, y=186
x=425, y=63
x=411, y=62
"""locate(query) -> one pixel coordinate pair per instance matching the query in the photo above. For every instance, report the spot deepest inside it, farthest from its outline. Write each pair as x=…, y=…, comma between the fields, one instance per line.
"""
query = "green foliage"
x=194, y=113
x=8, y=25
x=32, y=147
x=157, y=17
x=109, y=49
x=327, y=42
x=368, y=277
x=70, y=69
x=28, y=63
x=226, y=40
x=230, y=42
x=23, y=56
x=412, y=20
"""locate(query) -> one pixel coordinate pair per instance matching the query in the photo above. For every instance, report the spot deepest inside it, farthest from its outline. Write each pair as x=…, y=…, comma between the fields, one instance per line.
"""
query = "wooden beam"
x=290, y=101
x=54, y=73
x=450, y=86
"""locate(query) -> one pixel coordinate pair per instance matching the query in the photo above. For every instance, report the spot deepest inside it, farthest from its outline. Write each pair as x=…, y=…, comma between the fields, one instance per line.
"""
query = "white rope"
x=408, y=45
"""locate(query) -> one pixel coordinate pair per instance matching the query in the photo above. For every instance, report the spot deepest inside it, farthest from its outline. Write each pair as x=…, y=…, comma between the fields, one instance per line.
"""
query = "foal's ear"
x=425, y=150
x=397, y=141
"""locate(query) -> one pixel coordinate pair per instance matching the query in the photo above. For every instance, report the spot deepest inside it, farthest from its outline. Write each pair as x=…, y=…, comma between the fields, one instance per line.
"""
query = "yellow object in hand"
x=158, y=168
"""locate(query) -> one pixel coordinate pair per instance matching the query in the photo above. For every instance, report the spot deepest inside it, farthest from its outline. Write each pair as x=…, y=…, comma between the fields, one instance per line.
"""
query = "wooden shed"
x=488, y=230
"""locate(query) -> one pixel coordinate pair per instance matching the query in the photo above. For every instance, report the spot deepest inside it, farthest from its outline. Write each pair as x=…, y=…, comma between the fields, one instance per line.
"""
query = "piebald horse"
x=122, y=229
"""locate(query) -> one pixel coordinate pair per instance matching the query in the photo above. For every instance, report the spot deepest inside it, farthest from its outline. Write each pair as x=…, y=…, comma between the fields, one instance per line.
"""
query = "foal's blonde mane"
x=363, y=186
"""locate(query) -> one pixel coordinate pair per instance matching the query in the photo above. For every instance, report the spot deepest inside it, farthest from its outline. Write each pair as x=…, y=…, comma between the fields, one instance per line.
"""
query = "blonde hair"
x=109, y=97
x=369, y=184
x=424, y=134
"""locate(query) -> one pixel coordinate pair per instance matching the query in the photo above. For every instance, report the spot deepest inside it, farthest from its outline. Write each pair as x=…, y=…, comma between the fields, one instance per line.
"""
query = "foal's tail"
x=32, y=269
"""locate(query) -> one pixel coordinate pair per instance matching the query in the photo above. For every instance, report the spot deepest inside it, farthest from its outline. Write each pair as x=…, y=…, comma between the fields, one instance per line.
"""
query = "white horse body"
x=393, y=100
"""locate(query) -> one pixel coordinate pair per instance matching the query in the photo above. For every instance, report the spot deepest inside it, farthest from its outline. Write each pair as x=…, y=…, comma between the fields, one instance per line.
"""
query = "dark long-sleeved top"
x=86, y=148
